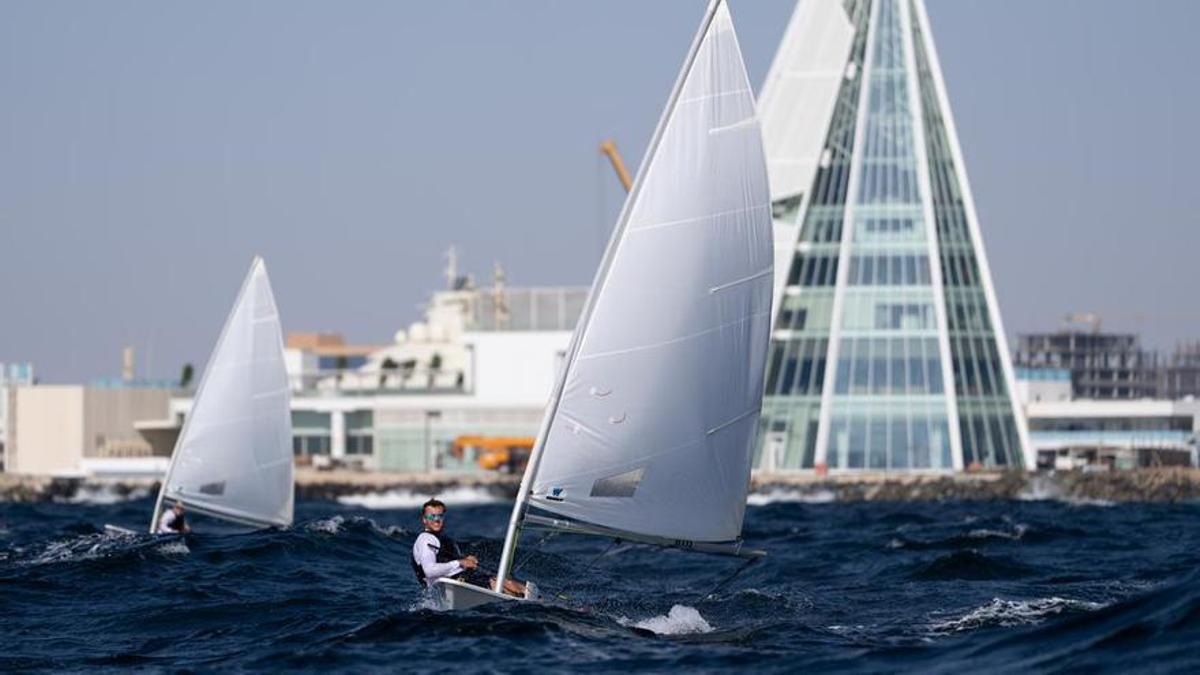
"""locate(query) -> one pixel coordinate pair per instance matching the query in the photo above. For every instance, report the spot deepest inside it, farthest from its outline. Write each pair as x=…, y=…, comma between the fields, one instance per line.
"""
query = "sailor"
x=437, y=556
x=173, y=521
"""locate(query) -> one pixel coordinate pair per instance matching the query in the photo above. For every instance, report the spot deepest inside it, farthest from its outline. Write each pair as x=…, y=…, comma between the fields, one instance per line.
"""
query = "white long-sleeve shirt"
x=425, y=551
x=165, y=521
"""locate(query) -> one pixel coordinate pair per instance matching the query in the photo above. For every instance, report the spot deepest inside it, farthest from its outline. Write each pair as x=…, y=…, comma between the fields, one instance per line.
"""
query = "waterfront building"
x=11, y=375
x=1101, y=365
x=71, y=430
x=1074, y=433
x=888, y=352
x=470, y=378
x=310, y=354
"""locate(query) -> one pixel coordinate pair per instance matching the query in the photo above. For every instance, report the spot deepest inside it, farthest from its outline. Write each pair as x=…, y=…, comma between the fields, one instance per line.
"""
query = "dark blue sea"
x=1036, y=586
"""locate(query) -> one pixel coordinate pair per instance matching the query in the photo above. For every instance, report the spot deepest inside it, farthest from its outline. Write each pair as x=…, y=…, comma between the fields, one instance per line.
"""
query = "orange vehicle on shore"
x=506, y=454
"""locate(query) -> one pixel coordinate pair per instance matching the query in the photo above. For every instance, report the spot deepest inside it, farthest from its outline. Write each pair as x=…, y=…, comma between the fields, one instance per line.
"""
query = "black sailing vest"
x=179, y=523
x=447, y=550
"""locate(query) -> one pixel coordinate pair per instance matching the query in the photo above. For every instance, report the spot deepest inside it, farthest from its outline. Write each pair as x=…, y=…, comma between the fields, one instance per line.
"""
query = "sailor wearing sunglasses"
x=436, y=556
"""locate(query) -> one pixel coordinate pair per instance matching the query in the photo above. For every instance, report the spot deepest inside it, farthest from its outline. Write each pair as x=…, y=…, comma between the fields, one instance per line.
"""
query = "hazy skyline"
x=151, y=149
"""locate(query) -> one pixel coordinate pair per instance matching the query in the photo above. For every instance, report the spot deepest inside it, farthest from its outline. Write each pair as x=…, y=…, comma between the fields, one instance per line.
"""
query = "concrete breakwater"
x=1146, y=485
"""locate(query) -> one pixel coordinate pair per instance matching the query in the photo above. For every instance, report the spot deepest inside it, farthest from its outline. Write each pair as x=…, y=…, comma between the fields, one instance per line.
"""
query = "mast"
x=535, y=456
x=187, y=421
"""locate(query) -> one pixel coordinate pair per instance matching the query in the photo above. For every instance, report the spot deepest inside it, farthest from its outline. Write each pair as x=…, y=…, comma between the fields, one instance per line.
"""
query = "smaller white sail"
x=233, y=458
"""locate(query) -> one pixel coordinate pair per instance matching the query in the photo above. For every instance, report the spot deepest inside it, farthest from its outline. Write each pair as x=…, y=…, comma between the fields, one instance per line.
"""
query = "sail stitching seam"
x=707, y=97
x=707, y=216
x=738, y=282
x=677, y=340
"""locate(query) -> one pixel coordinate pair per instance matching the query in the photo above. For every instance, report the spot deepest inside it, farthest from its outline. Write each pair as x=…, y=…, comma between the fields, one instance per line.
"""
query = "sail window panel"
x=622, y=485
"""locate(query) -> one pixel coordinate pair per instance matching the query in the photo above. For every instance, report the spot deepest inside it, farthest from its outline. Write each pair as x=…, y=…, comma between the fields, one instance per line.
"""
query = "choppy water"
x=1018, y=586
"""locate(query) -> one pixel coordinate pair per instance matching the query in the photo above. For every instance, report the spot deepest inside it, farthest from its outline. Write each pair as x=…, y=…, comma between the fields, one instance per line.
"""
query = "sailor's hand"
x=469, y=562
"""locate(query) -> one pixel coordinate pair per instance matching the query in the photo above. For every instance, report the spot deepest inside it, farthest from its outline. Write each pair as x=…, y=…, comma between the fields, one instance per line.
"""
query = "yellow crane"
x=609, y=149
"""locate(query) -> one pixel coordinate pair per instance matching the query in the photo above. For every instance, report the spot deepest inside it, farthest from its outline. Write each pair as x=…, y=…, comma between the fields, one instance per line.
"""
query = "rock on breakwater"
x=1145, y=485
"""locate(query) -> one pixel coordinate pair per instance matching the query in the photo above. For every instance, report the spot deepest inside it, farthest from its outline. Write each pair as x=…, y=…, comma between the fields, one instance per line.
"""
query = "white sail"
x=233, y=458
x=655, y=422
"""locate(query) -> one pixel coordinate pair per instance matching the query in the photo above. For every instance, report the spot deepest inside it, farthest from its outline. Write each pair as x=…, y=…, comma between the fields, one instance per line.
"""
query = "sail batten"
x=233, y=458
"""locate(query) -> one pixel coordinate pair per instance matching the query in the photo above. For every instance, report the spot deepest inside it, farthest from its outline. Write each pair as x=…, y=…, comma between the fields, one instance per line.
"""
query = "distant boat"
x=233, y=458
x=650, y=429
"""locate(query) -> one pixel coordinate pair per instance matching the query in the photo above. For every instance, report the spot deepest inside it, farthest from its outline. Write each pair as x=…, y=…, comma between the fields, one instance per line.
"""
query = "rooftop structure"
x=1180, y=375
x=1102, y=365
x=888, y=353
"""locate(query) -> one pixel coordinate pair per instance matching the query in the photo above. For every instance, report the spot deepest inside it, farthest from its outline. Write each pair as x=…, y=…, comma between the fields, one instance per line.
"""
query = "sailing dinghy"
x=233, y=459
x=649, y=431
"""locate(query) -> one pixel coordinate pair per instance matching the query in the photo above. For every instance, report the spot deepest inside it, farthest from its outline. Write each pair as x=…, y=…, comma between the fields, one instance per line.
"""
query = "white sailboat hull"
x=451, y=594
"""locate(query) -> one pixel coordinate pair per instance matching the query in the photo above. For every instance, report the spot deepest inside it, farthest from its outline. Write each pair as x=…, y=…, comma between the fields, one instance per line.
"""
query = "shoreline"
x=1143, y=485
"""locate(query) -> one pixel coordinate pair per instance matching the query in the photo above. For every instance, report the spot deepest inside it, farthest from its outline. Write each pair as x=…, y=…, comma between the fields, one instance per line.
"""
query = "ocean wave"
x=969, y=564
x=403, y=498
x=331, y=525
x=175, y=547
x=102, y=495
x=785, y=496
x=1041, y=489
x=74, y=549
x=681, y=620
x=1016, y=534
x=1004, y=613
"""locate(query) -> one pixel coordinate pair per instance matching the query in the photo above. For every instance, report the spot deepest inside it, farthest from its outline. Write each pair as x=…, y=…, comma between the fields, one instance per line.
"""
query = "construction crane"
x=609, y=149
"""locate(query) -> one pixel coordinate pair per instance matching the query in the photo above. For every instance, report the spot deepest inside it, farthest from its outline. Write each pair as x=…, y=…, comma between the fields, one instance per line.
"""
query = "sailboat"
x=649, y=432
x=233, y=458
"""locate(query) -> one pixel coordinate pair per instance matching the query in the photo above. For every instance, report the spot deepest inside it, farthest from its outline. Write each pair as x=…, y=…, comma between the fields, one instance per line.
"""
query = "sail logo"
x=556, y=495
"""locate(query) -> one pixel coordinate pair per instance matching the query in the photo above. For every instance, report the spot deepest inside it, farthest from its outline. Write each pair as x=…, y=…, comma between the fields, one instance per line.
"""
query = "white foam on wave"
x=681, y=620
x=1001, y=612
x=784, y=496
x=331, y=525
x=404, y=498
x=102, y=495
x=1043, y=489
x=83, y=547
x=176, y=547
x=984, y=533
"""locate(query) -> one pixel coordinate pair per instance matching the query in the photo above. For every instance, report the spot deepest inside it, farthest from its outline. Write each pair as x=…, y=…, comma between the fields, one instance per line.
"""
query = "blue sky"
x=149, y=149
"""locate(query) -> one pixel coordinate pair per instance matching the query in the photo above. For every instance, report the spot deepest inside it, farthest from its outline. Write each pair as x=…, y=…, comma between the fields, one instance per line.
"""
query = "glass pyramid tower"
x=887, y=350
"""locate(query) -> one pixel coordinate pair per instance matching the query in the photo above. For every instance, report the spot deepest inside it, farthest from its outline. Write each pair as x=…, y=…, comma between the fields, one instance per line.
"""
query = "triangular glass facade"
x=886, y=353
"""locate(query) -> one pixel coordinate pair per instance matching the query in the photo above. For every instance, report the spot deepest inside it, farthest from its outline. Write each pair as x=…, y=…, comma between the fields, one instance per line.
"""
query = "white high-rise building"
x=888, y=352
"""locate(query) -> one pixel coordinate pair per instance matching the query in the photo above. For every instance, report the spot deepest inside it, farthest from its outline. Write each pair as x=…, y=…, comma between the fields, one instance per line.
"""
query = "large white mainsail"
x=651, y=429
x=233, y=458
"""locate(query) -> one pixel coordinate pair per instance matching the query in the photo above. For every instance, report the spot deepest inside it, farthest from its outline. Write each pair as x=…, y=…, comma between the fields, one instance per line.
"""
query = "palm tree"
x=435, y=365
x=385, y=368
x=185, y=377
